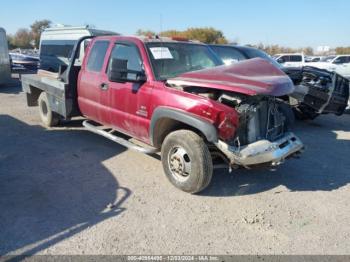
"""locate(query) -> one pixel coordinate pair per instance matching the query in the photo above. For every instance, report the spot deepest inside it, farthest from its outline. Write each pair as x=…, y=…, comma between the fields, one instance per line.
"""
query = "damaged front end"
x=262, y=136
x=319, y=91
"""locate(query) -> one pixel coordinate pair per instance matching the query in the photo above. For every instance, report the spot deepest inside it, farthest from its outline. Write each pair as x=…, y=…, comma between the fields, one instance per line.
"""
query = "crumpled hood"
x=251, y=77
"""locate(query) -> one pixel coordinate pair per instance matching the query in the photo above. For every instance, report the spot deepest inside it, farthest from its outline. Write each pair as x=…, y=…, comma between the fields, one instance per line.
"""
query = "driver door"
x=129, y=102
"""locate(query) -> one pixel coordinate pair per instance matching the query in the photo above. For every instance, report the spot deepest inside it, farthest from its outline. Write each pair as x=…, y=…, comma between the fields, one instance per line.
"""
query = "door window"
x=97, y=56
x=284, y=58
x=129, y=53
x=341, y=60
x=295, y=58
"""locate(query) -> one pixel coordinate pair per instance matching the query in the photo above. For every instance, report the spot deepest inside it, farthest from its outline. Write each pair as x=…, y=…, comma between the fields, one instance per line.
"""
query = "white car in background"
x=339, y=64
x=290, y=60
x=309, y=59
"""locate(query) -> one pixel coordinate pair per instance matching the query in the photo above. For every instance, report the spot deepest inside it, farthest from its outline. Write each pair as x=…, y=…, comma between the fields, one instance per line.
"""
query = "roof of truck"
x=72, y=32
x=156, y=39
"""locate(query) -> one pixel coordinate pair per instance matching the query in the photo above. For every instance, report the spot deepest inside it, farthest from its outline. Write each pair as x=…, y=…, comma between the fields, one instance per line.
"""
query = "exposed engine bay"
x=262, y=136
x=260, y=117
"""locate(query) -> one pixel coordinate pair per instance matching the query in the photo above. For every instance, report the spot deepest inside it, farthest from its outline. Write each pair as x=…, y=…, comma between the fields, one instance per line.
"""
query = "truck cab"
x=128, y=104
x=291, y=60
x=174, y=97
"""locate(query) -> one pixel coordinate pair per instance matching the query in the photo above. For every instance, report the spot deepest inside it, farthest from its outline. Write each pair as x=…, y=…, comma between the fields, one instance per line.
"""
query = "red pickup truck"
x=173, y=97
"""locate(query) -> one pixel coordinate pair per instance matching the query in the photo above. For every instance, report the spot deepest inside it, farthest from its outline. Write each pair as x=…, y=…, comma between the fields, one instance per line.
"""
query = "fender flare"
x=207, y=128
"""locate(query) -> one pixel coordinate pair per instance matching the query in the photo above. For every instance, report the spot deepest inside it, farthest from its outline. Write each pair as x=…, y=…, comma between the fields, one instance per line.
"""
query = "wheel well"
x=33, y=96
x=165, y=126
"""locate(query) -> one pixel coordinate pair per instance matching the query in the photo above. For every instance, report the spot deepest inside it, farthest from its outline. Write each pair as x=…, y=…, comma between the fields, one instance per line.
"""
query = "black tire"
x=48, y=117
x=193, y=172
x=287, y=111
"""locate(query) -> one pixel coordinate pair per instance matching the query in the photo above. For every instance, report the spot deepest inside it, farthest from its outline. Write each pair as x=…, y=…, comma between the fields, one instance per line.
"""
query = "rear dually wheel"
x=48, y=117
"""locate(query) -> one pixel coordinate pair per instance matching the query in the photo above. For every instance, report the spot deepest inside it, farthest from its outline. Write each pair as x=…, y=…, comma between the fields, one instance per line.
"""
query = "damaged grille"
x=260, y=121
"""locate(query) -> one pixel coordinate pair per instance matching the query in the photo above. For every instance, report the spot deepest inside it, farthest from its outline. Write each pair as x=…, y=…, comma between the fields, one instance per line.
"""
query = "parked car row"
x=334, y=63
x=339, y=64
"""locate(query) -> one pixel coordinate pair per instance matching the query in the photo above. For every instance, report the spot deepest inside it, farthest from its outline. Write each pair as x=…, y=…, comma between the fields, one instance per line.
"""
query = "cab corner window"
x=97, y=56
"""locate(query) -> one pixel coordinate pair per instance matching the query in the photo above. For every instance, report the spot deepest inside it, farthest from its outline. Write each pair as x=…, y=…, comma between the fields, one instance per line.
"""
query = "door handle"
x=104, y=86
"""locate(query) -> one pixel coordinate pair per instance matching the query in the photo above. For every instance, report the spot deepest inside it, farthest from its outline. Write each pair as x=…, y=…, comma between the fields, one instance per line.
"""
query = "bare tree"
x=37, y=28
x=21, y=39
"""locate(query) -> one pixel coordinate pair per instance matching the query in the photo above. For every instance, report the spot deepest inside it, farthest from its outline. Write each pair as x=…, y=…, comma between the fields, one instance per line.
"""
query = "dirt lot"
x=56, y=187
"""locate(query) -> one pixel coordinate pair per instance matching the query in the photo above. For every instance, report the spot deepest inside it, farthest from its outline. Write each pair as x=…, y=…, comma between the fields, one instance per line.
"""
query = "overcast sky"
x=293, y=23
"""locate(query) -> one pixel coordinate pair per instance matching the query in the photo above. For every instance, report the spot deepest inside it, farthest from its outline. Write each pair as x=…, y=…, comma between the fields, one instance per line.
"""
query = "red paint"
x=128, y=107
x=251, y=77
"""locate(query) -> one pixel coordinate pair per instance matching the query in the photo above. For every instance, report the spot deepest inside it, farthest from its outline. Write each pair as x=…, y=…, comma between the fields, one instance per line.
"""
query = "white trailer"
x=5, y=67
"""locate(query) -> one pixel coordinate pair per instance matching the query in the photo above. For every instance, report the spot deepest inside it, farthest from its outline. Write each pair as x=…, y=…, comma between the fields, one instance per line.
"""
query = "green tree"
x=342, y=50
x=206, y=35
x=141, y=32
x=173, y=33
x=37, y=28
x=10, y=40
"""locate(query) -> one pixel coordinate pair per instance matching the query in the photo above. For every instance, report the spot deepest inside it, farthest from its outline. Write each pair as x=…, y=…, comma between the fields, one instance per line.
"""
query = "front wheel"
x=186, y=160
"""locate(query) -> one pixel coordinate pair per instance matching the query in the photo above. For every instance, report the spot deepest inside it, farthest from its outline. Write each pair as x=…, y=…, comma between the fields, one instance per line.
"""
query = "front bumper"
x=262, y=151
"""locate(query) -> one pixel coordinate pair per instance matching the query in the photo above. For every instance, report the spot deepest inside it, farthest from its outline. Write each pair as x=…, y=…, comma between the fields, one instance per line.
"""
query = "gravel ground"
x=67, y=191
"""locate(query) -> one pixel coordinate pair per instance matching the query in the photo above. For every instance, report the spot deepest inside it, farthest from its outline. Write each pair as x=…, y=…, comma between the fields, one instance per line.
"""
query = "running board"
x=99, y=131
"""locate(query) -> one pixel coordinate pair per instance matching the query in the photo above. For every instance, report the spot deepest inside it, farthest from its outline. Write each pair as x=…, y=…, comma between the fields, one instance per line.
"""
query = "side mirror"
x=119, y=72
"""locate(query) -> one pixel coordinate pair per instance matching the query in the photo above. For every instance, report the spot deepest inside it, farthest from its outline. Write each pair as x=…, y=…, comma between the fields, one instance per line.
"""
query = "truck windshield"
x=172, y=59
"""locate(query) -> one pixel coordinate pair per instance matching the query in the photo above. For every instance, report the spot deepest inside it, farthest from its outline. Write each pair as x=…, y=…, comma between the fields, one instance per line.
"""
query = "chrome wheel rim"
x=179, y=163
